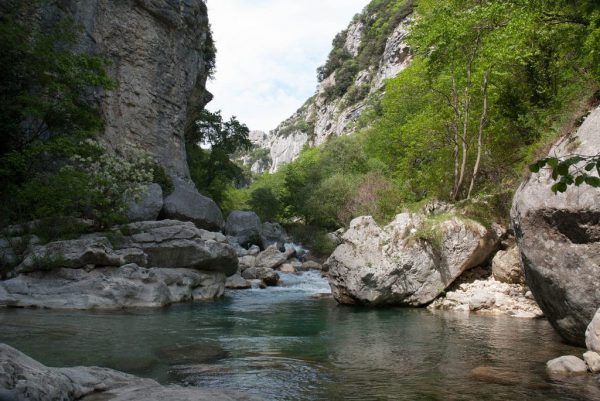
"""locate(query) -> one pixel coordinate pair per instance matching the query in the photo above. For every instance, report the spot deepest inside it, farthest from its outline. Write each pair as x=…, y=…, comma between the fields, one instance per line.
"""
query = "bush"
x=91, y=185
x=265, y=204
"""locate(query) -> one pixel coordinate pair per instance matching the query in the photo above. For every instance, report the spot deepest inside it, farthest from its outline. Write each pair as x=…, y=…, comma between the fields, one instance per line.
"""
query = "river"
x=283, y=343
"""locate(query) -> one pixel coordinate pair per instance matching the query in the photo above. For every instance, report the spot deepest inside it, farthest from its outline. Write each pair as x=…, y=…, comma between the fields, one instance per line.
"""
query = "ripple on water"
x=280, y=344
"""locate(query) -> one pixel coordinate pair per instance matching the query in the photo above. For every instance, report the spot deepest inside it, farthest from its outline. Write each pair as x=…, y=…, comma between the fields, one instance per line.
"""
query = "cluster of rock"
x=261, y=269
x=24, y=379
x=559, y=239
x=144, y=264
x=479, y=291
x=572, y=365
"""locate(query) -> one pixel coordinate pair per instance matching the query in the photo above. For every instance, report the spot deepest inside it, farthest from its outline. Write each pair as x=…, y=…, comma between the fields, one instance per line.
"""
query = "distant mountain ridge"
x=371, y=50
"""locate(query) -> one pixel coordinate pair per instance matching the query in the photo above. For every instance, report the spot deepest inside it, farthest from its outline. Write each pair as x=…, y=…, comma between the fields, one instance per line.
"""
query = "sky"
x=268, y=52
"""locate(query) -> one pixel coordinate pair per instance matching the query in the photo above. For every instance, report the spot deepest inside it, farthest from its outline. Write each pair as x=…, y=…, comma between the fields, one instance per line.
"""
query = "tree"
x=210, y=142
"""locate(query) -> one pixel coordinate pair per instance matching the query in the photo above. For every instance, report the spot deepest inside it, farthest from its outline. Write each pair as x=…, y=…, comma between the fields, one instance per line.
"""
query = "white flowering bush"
x=80, y=179
x=112, y=178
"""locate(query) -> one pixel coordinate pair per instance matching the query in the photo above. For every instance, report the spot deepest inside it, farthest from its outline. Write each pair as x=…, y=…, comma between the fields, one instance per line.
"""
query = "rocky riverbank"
x=24, y=379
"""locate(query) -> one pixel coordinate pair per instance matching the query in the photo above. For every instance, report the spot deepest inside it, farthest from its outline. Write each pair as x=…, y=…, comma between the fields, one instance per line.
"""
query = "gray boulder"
x=506, y=267
x=166, y=243
x=271, y=258
x=592, y=334
x=245, y=227
x=186, y=204
x=80, y=253
x=566, y=366
x=177, y=244
x=409, y=262
x=268, y=276
x=559, y=240
x=129, y=286
x=237, y=282
x=273, y=234
x=24, y=379
x=148, y=206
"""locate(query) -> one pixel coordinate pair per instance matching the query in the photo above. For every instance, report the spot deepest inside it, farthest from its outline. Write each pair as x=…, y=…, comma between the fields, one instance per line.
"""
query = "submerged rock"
x=559, y=239
x=395, y=266
x=129, y=286
x=24, y=379
x=206, y=352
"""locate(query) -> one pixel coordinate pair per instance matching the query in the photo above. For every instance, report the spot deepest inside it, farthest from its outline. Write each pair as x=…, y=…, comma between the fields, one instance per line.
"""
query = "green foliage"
x=522, y=54
x=160, y=177
x=212, y=169
x=490, y=83
x=265, y=204
x=572, y=170
x=48, y=262
x=49, y=166
x=44, y=84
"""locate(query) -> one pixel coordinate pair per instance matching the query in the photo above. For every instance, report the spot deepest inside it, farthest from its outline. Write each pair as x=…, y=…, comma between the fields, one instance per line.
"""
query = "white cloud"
x=268, y=52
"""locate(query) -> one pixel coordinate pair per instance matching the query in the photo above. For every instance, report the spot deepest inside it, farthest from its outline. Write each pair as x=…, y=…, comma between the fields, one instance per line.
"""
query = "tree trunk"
x=482, y=123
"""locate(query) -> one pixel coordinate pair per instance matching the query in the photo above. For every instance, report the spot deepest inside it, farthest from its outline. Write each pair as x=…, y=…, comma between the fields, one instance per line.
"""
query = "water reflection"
x=282, y=345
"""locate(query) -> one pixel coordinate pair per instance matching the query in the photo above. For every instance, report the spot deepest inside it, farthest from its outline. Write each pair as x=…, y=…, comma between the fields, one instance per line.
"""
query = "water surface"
x=283, y=344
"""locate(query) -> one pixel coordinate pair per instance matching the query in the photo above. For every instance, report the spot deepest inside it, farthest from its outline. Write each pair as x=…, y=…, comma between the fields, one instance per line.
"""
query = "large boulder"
x=559, y=239
x=24, y=379
x=409, y=262
x=128, y=286
x=144, y=264
x=506, y=266
x=171, y=243
x=273, y=234
x=166, y=243
x=186, y=204
x=148, y=206
x=80, y=253
x=245, y=227
x=272, y=258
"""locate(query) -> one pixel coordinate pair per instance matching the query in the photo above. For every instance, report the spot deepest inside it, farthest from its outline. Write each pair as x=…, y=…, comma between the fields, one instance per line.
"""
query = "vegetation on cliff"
x=490, y=86
x=50, y=164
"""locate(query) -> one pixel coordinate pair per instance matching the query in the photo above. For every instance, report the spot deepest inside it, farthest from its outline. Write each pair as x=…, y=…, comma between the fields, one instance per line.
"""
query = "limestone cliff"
x=160, y=53
x=371, y=50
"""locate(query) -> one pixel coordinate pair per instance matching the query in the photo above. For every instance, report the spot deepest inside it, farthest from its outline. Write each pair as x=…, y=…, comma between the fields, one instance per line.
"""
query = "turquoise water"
x=283, y=344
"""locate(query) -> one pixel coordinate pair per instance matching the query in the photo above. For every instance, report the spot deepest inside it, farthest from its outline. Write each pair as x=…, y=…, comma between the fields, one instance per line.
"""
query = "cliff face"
x=159, y=53
x=371, y=50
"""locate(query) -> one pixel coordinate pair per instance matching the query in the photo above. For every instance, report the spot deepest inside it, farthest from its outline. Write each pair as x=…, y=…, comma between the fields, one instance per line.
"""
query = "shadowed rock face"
x=156, y=49
x=159, y=54
x=559, y=240
x=158, y=58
